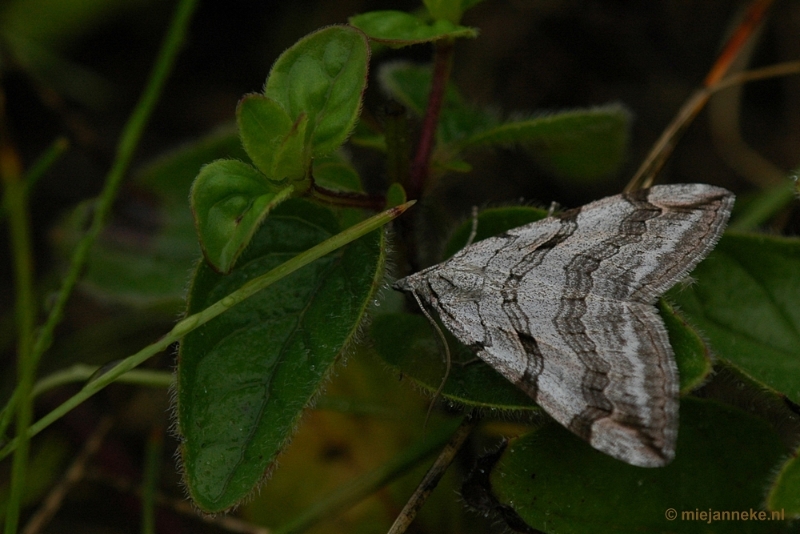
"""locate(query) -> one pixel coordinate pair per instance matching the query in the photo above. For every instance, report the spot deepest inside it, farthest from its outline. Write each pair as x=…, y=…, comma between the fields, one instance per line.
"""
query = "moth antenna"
x=447, y=359
x=474, y=231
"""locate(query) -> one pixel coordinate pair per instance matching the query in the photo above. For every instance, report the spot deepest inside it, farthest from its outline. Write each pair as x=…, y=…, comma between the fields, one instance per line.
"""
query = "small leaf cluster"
x=308, y=108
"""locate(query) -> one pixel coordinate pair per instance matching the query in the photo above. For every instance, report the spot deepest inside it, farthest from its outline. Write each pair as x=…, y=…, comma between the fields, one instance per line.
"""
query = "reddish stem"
x=669, y=138
x=441, y=74
x=734, y=44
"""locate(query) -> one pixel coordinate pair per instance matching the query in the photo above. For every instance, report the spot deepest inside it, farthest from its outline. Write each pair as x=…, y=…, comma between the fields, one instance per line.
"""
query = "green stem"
x=25, y=310
x=39, y=167
x=193, y=321
x=81, y=373
x=152, y=464
x=125, y=149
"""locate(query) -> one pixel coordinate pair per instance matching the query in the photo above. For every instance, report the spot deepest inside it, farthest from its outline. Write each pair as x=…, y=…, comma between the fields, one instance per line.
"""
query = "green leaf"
x=334, y=171
x=745, y=303
x=449, y=10
x=692, y=353
x=367, y=137
x=578, y=144
x=245, y=377
x=397, y=28
x=274, y=142
x=410, y=84
x=785, y=492
x=395, y=195
x=322, y=76
x=756, y=209
x=467, y=4
x=150, y=243
x=408, y=343
x=230, y=199
x=557, y=483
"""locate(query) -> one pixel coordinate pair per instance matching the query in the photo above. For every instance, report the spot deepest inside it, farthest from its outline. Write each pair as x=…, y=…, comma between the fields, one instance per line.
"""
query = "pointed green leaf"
x=274, y=142
x=397, y=28
x=579, y=144
x=745, y=303
x=230, y=199
x=323, y=76
x=245, y=377
x=557, y=483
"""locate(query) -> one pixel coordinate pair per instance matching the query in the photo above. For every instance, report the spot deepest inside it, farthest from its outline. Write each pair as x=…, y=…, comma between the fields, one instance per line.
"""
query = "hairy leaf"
x=397, y=28
x=557, y=483
x=245, y=377
x=230, y=199
x=322, y=76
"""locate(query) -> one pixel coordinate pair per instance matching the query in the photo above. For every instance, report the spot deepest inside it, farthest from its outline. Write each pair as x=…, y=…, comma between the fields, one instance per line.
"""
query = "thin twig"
x=74, y=474
x=432, y=477
x=663, y=148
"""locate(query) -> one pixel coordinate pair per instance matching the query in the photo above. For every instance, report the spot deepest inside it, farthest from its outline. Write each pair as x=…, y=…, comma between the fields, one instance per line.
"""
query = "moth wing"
x=636, y=246
x=620, y=394
x=563, y=309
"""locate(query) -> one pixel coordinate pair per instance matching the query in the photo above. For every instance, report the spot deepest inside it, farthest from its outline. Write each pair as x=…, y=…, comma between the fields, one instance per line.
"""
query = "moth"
x=564, y=308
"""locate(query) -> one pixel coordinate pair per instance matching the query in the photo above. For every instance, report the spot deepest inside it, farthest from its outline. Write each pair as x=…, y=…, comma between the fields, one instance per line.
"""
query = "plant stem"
x=81, y=373
x=16, y=202
x=664, y=146
x=155, y=445
x=420, y=168
x=40, y=166
x=398, y=150
x=125, y=149
x=193, y=321
x=347, y=199
x=433, y=476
